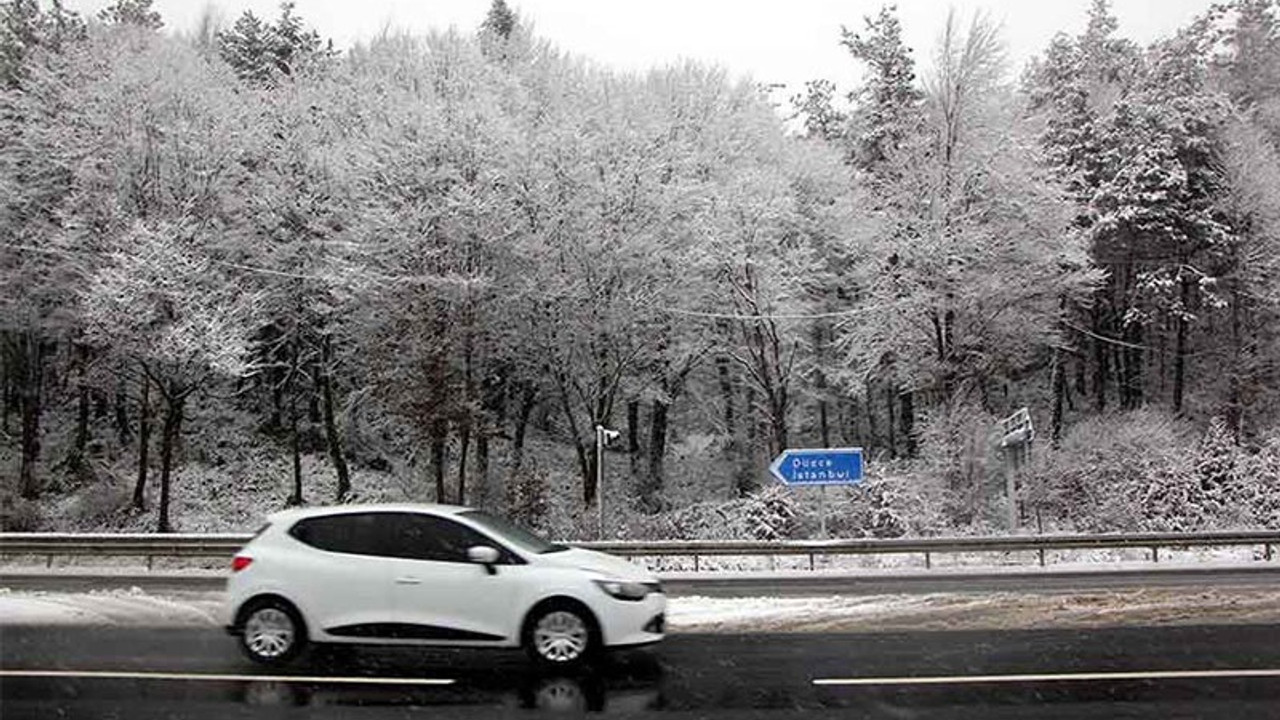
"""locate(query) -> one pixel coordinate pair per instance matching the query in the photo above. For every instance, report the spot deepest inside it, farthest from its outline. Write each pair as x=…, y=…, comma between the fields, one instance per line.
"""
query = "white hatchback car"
x=432, y=575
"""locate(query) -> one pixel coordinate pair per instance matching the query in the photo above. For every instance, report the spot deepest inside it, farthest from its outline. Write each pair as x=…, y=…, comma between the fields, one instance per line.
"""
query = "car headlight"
x=624, y=590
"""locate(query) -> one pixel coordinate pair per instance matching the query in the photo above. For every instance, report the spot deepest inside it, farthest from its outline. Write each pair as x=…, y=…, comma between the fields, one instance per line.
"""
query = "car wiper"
x=554, y=549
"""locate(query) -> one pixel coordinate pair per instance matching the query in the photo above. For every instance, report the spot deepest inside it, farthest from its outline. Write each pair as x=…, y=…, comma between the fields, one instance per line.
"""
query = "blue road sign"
x=819, y=466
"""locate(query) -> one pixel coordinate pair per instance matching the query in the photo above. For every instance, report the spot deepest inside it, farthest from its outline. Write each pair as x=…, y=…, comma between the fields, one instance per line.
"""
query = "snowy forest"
x=241, y=269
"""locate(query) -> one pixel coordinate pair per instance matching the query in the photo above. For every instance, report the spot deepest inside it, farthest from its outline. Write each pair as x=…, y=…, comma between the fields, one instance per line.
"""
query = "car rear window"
x=356, y=533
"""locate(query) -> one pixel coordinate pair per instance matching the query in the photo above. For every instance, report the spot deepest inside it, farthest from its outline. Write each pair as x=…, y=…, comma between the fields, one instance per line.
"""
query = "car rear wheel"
x=272, y=633
x=561, y=635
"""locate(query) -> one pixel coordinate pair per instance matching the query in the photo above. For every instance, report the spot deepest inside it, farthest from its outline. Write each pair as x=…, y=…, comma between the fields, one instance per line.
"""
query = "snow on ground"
x=976, y=611
x=833, y=613
x=109, y=607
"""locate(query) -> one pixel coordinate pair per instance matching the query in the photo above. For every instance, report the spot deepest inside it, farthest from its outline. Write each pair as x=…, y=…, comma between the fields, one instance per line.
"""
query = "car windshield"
x=512, y=533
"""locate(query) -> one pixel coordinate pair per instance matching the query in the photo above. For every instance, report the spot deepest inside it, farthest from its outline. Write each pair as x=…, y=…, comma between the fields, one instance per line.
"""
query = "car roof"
x=299, y=513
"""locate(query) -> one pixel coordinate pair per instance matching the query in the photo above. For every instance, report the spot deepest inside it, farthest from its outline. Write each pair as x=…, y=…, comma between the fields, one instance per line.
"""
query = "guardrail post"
x=1040, y=552
x=1267, y=553
x=696, y=565
x=928, y=561
x=811, y=562
x=149, y=562
x=48, y=561
x=1155, y=553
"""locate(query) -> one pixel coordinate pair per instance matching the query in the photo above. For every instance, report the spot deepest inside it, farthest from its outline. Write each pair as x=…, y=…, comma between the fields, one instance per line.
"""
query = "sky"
x=771, y=42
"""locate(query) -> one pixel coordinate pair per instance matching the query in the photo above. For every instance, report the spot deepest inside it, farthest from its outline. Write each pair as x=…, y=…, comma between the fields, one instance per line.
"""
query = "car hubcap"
x=560, y=636
x=269, y=632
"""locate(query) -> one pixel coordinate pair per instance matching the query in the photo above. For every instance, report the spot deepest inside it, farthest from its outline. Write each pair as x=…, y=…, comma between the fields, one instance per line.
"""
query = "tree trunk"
x=32, y=377
x=778, y=422
x=332, y=438
x=586, y=461
x=122, y=415
x=726, y=395
x=1179, y=363
x=144, y=445
x=439, y=430
x=80, y=439
x=893, y=440
x=482, y=467
x=1235, y=396
x=277, y=401
x=313, y=408
x=873, y=432
x=7, y=396
x=464, y=434
x=1100, y=363
x=527, y=403
x=1058, y=379
x=1137, y=366
x=820, y=384
x=633, y=432
x=295, y=498
x=907, y=421
x=174, y=405
x=653, y=484
x=1081, y=367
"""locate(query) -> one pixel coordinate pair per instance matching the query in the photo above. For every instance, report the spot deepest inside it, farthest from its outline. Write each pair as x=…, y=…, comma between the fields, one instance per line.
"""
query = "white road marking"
x=217, y=677
x=1055, y=677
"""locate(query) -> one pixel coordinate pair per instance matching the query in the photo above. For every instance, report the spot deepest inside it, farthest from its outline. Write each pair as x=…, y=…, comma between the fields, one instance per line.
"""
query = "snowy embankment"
x=878, y=613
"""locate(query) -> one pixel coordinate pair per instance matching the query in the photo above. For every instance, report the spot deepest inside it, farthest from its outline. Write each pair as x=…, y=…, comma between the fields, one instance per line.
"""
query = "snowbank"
x=833, y=613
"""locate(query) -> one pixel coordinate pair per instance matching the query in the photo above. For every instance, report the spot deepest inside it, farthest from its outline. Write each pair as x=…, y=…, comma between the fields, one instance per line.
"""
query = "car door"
x=340, y=575
x=442, y=595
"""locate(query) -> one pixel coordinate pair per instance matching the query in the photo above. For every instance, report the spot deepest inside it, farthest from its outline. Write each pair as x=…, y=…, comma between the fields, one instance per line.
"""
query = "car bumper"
x=634, y=623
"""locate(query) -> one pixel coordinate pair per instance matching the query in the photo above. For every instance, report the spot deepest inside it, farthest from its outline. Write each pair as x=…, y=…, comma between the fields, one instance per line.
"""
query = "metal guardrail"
x=105, y=545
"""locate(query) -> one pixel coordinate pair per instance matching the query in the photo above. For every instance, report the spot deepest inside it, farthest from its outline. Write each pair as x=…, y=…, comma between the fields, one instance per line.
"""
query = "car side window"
x=427, y=537
x=355, y=533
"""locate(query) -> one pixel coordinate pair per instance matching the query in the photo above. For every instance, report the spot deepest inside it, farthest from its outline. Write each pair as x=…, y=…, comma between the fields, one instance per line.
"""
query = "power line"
x=778, y=316
x=1106, y=339
x=1137, y=346
x=408, y=279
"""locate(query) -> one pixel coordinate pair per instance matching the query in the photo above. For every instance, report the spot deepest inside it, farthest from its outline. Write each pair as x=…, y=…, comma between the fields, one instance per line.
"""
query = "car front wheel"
x=272, y=633
x=561, y=635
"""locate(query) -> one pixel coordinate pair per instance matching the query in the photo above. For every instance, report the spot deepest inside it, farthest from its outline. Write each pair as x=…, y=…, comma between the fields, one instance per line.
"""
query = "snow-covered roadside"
x=109, y=607
x=881, y=613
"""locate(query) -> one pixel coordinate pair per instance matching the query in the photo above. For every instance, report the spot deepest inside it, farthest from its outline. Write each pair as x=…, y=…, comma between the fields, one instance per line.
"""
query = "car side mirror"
x=484, y=555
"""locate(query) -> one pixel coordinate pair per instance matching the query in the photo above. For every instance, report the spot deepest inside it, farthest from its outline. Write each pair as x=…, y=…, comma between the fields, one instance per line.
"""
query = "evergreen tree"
x=263, y=52
x=887, y=106
x=501, y=20
x=132, y=12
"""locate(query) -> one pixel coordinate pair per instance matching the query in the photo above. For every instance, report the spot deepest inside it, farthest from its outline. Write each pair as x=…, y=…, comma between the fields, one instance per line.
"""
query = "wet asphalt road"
x=714, y=676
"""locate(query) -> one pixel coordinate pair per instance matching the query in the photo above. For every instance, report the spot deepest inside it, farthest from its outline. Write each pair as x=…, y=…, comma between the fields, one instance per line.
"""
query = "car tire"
x=561, y=634
x=271, y=632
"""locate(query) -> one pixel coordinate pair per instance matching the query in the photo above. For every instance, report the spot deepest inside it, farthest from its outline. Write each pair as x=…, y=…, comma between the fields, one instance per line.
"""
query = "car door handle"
x=408, y=581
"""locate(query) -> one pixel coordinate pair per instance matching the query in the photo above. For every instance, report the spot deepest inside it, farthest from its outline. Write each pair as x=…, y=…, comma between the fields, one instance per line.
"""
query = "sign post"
x=819, y=467
x=603, y=437
x=1015, y=443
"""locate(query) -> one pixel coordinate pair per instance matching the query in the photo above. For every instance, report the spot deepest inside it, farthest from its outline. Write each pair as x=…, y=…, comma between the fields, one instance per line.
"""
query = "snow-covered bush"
x=770, y=514
x=1128, y=472
x=896, y=499
x=526, y=500
x=18, y=515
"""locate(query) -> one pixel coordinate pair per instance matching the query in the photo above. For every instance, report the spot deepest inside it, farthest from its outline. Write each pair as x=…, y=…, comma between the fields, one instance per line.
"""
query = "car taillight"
x=240, y=562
